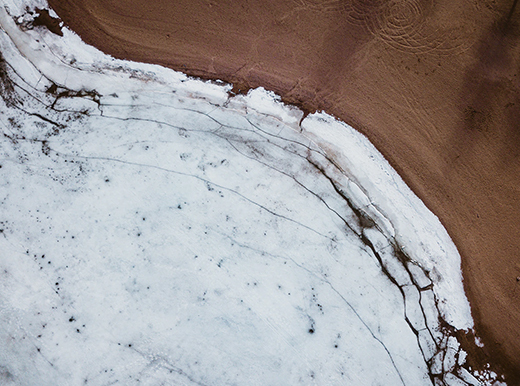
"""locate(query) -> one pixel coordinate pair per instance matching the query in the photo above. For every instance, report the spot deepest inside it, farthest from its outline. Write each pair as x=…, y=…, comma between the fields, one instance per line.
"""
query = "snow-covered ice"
x=156, y=230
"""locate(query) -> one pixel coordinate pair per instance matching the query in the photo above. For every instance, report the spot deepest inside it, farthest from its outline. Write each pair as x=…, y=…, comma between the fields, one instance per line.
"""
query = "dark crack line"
x=52, y=105
x=152, y=121
x=369, y=329
x=23, y=80
x=221, y=125
x=285, y=139
x=198, y=178
x=265, y=141
x=158, y=360
x=323, y=280
x=174, y=108
x=295, y=180
x=29, y=93
x=362, y=216
x=41, y=117
x=47, y=106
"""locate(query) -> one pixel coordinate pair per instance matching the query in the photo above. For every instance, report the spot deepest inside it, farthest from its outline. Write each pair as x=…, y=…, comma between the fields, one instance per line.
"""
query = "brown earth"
x=434, y=84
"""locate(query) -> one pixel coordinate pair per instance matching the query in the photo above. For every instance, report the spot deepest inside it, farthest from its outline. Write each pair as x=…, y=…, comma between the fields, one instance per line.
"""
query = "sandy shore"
x=434, y=85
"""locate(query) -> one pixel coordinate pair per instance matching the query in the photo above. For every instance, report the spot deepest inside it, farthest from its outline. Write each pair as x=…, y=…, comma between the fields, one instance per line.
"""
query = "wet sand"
x=434, y=85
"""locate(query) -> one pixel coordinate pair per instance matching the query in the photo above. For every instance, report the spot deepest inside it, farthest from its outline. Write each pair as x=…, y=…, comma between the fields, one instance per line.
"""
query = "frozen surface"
x=155, y=230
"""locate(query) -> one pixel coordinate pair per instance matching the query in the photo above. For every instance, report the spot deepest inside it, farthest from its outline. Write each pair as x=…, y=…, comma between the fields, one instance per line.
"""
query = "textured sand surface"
x=433, y=84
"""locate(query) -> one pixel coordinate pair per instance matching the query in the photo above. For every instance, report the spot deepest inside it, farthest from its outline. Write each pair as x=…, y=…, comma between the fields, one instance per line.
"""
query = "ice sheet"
x=156, y=230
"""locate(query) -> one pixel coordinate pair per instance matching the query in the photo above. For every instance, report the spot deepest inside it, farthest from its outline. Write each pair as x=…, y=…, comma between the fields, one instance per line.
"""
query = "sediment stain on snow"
x=156, y=229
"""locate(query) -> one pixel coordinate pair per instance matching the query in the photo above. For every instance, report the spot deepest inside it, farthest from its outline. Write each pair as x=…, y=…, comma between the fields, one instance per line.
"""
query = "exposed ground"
x=433, y=84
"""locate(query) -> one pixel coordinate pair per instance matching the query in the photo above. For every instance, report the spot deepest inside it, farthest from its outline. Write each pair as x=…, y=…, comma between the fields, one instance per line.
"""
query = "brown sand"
x=435, y=85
